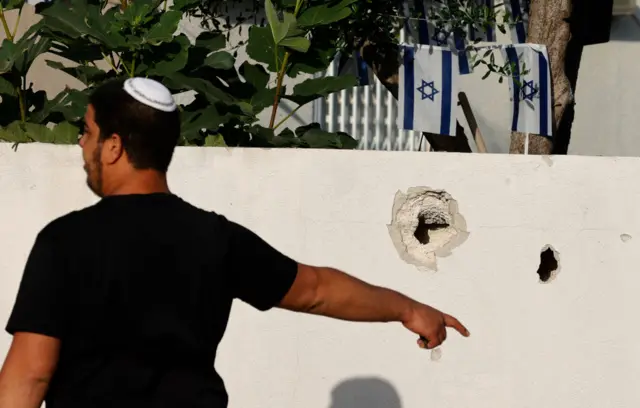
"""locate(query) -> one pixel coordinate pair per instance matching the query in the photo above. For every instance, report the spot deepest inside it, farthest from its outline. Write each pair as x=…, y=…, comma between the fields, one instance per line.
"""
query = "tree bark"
x=549, y=25
x=383, y=58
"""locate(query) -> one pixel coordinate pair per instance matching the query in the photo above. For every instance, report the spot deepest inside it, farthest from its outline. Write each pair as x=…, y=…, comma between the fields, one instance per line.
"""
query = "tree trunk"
x=384, y=59
x=548, y=25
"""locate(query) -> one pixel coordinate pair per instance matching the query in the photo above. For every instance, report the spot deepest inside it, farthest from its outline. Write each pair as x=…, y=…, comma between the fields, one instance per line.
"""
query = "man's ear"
x=112, y=149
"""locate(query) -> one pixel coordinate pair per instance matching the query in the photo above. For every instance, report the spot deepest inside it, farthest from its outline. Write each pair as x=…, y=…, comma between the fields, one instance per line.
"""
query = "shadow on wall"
x=365, y=392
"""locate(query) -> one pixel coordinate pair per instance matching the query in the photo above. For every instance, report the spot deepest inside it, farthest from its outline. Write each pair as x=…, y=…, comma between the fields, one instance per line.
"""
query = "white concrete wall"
x=571, y=343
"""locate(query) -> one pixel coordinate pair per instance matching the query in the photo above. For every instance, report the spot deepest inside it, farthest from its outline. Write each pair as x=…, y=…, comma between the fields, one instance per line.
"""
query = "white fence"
x=368, y=114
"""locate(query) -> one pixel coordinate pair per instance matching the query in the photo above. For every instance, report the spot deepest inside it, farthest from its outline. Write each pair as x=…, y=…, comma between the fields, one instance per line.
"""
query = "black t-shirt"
x=138, y=288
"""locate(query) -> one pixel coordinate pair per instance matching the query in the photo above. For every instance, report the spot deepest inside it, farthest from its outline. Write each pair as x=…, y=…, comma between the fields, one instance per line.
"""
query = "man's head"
x=131, y=127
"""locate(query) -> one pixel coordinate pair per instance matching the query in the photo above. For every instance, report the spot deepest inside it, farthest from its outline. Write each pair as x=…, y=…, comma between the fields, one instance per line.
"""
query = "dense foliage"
x=139, y=38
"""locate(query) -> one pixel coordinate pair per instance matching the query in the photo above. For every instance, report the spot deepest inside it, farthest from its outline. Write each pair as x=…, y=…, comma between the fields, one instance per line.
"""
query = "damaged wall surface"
x=565, y=343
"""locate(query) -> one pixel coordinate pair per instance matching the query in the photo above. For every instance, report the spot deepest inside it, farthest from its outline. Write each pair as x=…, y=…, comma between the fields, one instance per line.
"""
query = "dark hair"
x=149, y=136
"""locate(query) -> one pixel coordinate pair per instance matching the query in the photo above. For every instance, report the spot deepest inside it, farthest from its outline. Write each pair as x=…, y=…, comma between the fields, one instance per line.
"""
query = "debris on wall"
x=425, y=224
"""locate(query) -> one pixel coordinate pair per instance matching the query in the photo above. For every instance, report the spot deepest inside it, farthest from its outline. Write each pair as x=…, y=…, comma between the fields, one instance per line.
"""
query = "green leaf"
x=278, y=29
x=166, y=58
x=261, y=47
x=199, y=85
x=65, y=133
x=220, y=60
x=184, y=5
x=261, y=136
x=163, y=31
x=314, y=88
x=286, y=138
x=86, y=74
x=70, y=103
x=299, y=44
x=11, y=4
x=74, y=19
x=7, y=88
x=263, y=99
x=317, y=59
x=211, y=41
x=255, y=75
x=215, y=141
x=193, y=122
x=29, y=48
x=8, y=55
x=14, y=132
x=322, y=15
x=314, y=137
x=62, y=133
x=292, y=25
x=39, y=133
x=138, y=13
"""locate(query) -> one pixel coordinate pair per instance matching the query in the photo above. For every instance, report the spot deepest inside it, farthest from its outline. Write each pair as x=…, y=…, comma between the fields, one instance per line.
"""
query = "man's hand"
x=431, y=325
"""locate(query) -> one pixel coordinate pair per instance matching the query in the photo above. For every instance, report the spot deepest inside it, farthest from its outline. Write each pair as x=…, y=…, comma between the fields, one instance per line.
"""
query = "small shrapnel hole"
x=548, y=264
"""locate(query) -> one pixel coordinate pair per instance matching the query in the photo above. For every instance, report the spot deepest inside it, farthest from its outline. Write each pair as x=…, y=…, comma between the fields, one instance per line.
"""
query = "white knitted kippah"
x=151, y=93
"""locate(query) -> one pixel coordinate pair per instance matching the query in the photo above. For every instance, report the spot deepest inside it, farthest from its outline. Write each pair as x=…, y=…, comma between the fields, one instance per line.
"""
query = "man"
x=122, y=304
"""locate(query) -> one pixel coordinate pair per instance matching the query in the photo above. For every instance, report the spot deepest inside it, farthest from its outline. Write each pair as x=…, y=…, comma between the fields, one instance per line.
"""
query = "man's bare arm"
x=27, y=370
x=332, y=293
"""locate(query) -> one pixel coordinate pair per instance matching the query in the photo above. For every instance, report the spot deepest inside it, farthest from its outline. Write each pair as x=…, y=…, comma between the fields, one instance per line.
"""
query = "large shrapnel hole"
x=425, y=225
x=548, y=264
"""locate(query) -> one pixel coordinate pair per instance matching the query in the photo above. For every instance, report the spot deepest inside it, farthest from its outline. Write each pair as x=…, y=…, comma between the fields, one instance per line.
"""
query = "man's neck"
x=143, y=182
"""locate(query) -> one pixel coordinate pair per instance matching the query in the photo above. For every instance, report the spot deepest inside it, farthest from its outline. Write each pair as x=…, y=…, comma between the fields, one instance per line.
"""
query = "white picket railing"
x=368, y=114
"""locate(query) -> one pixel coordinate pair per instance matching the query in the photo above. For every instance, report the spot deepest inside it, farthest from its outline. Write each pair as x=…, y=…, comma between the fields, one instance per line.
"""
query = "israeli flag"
x=424, y=32
x=356, y=65
x=531, y=95
x=482, y=34
x=519, y=10
x=428, y=88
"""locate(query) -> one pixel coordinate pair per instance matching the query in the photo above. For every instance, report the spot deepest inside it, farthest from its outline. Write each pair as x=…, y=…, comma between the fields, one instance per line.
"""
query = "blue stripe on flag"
x=423, y=28
x=512, y=55
x=517, y=13
x=409, y=56
x=544, y=101
x=463, y=60
x=447, y=73
x=362, y=69
x=491, y=35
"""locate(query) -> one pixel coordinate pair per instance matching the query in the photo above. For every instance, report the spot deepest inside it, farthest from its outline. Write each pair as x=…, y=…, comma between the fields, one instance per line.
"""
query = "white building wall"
x=570, y=343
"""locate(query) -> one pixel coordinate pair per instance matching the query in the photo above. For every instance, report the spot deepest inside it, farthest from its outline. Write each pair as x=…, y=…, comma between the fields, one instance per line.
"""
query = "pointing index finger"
x=451, y=321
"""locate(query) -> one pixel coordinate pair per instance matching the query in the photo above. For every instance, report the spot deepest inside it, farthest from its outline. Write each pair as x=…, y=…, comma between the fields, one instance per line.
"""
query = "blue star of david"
x=440, y=37
x=430, y=94
x=529, y=90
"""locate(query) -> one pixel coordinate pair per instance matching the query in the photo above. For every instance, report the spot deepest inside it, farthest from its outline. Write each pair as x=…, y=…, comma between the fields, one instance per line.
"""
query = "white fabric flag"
x=531, y=95
x=427, y=89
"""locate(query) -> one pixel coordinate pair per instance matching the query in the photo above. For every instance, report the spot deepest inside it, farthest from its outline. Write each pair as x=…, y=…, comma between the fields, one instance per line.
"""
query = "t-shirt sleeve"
x=38, y=307
x=260, y=275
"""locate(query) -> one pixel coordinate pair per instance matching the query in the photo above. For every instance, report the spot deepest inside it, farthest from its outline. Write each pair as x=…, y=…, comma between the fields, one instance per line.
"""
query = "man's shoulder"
x=68, y=222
